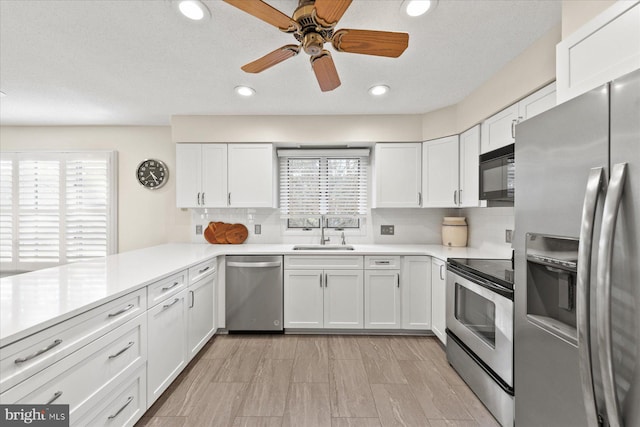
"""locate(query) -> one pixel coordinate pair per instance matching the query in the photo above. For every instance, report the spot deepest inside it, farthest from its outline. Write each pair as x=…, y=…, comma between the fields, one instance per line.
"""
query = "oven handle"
x=603, y=291
x=500, y=290
x=583, y=290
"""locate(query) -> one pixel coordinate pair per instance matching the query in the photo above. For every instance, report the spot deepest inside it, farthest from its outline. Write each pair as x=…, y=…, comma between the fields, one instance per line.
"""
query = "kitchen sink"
x=323, y=248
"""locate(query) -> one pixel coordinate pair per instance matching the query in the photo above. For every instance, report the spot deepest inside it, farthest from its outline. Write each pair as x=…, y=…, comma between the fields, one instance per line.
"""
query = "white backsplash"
x=412, y=226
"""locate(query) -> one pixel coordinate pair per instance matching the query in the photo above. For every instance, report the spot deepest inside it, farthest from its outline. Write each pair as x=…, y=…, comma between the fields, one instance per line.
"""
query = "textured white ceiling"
x=138, y=62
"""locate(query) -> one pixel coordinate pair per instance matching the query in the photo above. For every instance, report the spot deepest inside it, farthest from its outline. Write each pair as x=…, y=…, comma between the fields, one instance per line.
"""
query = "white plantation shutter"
x=38, y=211
x=318, y=182
x=6, y=211
x=87, y=209
x=56, y=208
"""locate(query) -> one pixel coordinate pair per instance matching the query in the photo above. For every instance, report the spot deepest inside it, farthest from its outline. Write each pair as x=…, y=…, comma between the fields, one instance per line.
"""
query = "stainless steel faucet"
x=323, y=241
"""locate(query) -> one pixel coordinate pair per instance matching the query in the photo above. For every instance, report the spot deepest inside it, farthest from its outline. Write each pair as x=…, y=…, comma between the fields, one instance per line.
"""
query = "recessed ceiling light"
x=418, y=7
x=378, y=90
x=194, y=9
x=244, y=90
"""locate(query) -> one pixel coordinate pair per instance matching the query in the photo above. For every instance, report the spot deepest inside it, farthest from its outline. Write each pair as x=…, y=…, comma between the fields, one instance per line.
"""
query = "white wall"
x=145, y=217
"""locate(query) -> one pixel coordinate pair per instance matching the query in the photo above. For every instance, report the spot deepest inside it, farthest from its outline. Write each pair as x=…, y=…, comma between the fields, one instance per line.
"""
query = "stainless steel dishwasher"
x=254, y=293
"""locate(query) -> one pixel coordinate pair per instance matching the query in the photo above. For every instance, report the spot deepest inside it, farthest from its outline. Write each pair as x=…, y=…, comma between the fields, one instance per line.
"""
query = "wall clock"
x=152, y=173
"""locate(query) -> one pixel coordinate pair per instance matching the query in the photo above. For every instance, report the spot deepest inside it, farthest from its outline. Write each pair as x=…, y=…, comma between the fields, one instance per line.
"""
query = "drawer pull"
x=382, y=262
x=55, y=397
x=113, y=356
x=204, y=269
x=170, y=287
x=129, y=400
x=164, y=307
x=38, y=353
x=119, y=312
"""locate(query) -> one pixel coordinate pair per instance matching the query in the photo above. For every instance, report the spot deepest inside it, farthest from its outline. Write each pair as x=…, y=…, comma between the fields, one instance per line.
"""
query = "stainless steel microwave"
x=497, y=174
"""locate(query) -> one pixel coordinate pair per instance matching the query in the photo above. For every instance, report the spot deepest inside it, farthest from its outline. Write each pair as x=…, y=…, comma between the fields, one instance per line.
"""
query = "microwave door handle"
x=603, y=291
x=583, y=288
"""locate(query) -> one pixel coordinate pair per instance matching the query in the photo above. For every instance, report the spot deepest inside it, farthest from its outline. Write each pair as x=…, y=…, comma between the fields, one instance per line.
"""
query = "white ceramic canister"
x=454, y=231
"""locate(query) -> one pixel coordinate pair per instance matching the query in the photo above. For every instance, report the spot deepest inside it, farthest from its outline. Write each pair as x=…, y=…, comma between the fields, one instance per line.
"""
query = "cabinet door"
x=397, y=175
x=498, y=130
x=440, y=172
x=200, y=314
x=214, y=175
x=343, y=298
x=538, y=102
x=382, y=299
x=438, y=301
x=251, y=175
x=188, y=175
x=167, y=344
x=416, y=292
x=303, y=298
x=469, y=168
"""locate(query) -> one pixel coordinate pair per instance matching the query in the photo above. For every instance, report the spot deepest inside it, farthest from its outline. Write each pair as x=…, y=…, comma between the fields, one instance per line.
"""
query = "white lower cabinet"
x=323, y=292
x=382, y=303
x=201, y=313
x=125, y=408
x=438, y=300
x=89, y=375
x=416, y=292
x=167, y=344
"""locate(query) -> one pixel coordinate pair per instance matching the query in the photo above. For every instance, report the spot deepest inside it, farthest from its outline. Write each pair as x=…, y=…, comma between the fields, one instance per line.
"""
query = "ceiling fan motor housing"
x=312, y=32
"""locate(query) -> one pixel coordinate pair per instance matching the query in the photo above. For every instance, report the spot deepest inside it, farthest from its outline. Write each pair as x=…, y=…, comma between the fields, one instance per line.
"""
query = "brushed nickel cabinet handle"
x=55, y=397
x=198, y=199
x=113, y=356
x=119, y=312
x=129, y=400
x=202, y=199
x=38, y=353
x=165, y=289
x=166, y=306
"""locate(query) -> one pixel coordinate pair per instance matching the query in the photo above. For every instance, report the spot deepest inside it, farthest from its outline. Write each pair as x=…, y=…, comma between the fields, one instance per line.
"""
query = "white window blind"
x=317, y=183
x=56, y=208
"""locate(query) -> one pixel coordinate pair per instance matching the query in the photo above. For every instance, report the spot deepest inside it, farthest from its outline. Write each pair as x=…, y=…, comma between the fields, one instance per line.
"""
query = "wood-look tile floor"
x=315, y=380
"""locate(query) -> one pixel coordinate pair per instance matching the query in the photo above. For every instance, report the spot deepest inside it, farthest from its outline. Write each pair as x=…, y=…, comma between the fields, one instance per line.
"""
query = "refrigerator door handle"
x=583, y=287
x=603, y=292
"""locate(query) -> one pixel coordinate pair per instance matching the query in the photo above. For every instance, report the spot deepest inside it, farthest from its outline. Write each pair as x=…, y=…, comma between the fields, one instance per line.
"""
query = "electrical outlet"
x=508, y=236
x=198, y=229
x=257, y=229
x=387, y=230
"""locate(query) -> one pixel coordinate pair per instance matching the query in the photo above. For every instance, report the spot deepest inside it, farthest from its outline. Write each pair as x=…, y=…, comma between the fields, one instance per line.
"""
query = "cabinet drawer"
x=82, y=379
x=163, y=289
x=335, y=262
x=198, y=271
x=26, y=357
x=382, y=262
x=124, y=409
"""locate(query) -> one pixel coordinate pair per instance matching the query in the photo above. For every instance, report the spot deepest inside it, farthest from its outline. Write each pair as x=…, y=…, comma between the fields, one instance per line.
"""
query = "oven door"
x=483, y=320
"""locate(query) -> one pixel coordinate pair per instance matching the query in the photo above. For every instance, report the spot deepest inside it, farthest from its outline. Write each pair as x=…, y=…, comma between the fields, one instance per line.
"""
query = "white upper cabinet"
x=440, y=184
x=225, y=175
x=251, y=176
x=499, y=130
x=397, y=175
x=468, y=196
x=603, y=49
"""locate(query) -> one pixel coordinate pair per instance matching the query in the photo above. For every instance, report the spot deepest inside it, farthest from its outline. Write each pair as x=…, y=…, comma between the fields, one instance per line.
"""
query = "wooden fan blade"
x=368, y=42
x=325, y=70
x=267, y=13
x=271, y=59
x=330, y=11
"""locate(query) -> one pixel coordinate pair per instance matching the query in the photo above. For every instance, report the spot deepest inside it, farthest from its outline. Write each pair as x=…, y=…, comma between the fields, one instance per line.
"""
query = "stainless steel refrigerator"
x=577, y=261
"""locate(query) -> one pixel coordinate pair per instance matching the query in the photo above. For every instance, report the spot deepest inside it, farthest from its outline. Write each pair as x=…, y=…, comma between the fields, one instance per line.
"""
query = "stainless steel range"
x=479, y=299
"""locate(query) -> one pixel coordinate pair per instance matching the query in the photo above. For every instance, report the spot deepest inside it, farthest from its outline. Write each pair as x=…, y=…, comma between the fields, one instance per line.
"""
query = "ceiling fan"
x=313, y=24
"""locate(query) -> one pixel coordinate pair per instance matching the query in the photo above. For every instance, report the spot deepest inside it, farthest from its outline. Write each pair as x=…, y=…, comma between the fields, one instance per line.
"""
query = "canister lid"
x=454, y=220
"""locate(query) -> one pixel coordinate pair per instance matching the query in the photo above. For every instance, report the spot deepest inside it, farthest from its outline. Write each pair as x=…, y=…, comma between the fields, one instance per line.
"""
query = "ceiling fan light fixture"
x=378, y=90
x=418, y=7
x=194, y=9
x=245, y=91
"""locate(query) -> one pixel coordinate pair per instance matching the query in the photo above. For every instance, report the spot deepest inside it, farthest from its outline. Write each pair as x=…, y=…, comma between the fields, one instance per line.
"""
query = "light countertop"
x=31, y=302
